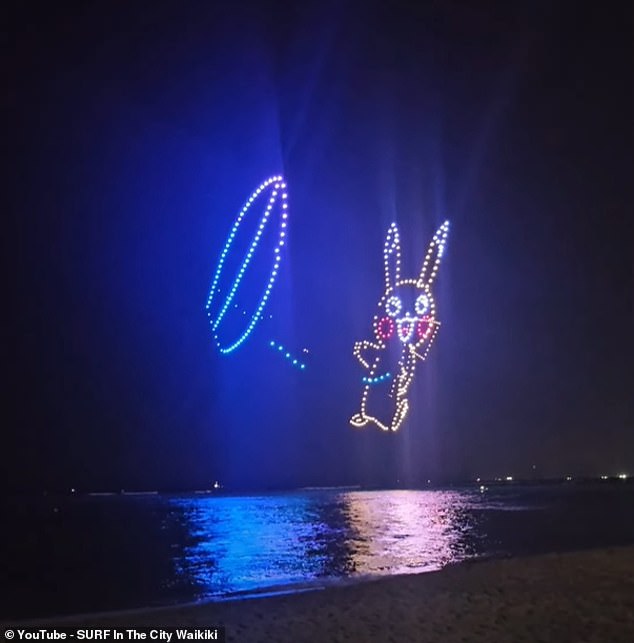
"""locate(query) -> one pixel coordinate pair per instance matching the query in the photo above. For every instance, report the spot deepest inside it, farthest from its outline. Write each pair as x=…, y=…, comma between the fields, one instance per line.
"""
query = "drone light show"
x=229, y=336
x=293, y=359
x=405, y=327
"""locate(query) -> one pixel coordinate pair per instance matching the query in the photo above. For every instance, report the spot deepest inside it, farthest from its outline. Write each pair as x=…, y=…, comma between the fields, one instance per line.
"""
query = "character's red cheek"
x=424, y=328
x=385, y=328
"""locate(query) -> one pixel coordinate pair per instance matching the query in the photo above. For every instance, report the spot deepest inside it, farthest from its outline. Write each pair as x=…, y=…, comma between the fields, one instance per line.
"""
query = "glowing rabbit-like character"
x=405, y=327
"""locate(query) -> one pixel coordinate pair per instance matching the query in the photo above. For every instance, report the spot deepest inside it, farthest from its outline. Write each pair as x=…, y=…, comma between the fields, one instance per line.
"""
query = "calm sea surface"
x=94, y=553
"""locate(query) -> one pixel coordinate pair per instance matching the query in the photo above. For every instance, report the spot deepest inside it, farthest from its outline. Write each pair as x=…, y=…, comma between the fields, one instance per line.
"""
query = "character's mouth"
x=406, y=327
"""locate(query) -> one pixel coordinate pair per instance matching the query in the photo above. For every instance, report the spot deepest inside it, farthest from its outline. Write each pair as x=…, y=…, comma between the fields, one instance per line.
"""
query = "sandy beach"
x=581, y=596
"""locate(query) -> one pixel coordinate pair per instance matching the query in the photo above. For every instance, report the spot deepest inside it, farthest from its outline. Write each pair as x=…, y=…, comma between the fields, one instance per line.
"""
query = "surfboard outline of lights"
x=278, y=186
x=276, y=346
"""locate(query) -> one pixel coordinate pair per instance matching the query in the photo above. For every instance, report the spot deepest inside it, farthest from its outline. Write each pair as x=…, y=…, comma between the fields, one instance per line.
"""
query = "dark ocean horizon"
x=89, y=553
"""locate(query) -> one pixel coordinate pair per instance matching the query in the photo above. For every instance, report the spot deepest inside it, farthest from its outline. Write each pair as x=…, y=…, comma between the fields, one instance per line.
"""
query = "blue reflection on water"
x=82, y=553
x=242, y=544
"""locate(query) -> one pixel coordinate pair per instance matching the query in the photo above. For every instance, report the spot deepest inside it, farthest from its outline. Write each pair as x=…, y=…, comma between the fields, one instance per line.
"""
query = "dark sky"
x=135, y=133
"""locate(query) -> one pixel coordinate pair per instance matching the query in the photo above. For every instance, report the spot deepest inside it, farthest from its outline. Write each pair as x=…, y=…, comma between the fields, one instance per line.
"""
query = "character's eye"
x=422, y=304
x=393, y=306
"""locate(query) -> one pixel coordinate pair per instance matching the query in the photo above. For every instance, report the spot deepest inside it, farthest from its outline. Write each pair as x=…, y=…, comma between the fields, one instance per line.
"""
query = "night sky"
x=135, y=132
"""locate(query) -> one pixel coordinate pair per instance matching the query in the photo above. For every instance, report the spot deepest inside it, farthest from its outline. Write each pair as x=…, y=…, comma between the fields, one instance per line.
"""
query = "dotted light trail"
x=291, y=358
x=376, y=380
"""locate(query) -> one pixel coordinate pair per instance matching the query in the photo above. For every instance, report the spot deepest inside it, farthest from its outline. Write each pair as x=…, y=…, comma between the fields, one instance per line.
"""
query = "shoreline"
x=578, y=596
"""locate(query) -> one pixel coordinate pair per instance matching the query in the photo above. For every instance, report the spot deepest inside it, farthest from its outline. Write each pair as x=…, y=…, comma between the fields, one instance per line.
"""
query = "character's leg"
x=359, y=420
x=399, y=415
x=364, y=416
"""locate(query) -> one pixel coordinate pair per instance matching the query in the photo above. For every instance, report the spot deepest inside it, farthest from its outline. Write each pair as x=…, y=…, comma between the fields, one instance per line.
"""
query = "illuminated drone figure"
x=272, y=193
x=404, y=328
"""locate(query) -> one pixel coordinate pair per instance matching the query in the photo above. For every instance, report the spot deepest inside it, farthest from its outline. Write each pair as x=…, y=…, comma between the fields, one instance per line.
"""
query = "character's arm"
x=363, y=346
x=421, y=348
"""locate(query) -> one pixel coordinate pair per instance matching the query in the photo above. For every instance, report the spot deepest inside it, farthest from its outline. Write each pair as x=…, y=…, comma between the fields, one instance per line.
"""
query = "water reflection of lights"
x=240, y=544
x=407, y=531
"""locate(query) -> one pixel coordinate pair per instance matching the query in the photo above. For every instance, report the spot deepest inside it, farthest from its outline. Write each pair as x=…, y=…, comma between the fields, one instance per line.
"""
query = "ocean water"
x=67, y=555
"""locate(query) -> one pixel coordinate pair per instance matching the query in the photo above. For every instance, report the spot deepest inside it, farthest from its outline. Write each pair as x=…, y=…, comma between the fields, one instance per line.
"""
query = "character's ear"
x=392, y=257
x=434, y=254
